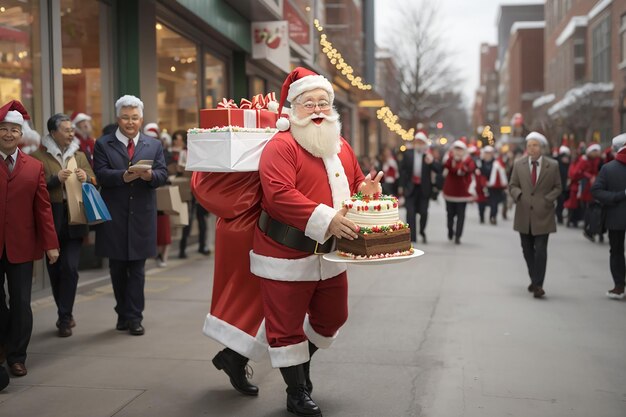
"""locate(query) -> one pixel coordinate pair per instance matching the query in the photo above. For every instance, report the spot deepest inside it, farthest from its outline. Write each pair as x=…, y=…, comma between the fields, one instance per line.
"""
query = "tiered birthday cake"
x=381, y=234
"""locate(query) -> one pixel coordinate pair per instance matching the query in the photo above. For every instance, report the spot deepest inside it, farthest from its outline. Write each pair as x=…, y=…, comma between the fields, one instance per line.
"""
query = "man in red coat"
x=306, y=171
x=26, y=230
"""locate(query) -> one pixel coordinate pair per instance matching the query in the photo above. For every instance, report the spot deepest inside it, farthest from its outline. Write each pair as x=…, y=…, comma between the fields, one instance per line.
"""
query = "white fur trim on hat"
x=619, y=141
x=80, y=117
x=151, y=129
x=421, y=136
x=459, y=144
x=591, y=148
x=308, y=83
x=488, y=148
x=283, y=124
x=564, y=150
x=14, y=116
x=538, y=137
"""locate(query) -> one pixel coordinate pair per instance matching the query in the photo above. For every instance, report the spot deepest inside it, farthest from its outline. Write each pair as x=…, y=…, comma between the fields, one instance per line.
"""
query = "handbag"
x=95, y=209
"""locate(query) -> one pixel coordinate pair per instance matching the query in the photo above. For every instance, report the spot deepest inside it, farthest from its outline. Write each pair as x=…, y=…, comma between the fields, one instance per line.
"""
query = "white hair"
x=128, y=101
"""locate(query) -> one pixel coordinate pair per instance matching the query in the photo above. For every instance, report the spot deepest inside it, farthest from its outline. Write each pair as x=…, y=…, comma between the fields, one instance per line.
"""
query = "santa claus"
x=83, y=131
x=306, y=171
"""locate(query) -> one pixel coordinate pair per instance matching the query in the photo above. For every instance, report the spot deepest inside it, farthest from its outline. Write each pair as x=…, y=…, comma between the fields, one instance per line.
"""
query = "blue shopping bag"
x=95, y=209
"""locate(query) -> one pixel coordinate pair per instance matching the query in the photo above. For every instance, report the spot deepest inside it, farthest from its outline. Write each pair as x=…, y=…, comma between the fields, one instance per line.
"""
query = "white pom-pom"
x=273, y=106
x=283, y=124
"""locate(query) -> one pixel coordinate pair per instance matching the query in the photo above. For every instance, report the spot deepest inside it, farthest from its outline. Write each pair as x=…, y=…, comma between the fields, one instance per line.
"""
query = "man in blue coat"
x=130, y=237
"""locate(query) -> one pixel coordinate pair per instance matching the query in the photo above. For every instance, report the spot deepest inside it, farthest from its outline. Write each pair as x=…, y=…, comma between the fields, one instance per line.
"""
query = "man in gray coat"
x=130, y=237
x=610, y=190
x=535, y=185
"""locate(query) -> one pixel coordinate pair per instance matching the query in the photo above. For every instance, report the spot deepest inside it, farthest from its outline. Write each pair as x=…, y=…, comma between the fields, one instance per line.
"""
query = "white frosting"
x=372, y=212
x=198, y=130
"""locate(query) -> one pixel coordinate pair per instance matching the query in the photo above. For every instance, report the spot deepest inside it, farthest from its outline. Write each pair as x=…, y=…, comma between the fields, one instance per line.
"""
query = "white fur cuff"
x=322, y=342
x=283, y=357
x=317, y=226
x=254, y=348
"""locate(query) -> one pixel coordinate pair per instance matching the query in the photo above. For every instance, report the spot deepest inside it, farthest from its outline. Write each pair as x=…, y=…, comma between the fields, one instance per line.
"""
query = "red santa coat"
x=572, y=201
x=456, y=187
x=305, y=192
x=585, y=174
x=236, y=315
x=498, y=178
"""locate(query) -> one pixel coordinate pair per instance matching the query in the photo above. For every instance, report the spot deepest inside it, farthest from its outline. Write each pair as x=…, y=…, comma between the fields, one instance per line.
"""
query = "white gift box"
x=226, y=151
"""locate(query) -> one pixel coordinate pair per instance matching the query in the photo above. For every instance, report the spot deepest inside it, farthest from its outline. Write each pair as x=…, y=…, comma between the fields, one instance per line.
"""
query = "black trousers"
x=457, y=210
x=16, y=319
x=560, y=201
x=200, y=213
x=617, y=261
x=128, y=279
x=64, y=277
x=417, y=203
x=535, y=249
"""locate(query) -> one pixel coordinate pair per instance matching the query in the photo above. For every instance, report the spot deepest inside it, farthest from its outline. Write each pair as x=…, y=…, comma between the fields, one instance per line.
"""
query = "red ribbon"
x=258, y=102
x=245, y=104
x=227, y=104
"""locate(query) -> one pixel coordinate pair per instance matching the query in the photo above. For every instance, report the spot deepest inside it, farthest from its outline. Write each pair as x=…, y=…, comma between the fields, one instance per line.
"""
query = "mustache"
x=303, y=121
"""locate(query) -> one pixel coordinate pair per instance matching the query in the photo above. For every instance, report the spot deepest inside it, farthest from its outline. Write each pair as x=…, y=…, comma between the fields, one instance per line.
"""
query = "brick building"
x=485, y=111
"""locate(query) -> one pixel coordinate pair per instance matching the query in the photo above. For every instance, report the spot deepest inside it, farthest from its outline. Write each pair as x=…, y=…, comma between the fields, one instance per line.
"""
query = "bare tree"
x=427, y=76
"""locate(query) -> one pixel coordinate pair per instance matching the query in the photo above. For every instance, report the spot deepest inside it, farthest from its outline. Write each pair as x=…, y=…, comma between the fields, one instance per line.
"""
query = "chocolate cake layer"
x=377, y=243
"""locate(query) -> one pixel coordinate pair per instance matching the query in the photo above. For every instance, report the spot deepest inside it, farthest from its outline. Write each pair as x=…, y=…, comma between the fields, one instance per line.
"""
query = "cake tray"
x=335, y=257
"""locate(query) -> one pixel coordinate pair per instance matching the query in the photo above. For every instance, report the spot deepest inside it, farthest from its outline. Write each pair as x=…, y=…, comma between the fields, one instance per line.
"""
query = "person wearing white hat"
x=586, y=171
x=535, y=185
x=26, y=231
x=563, y=160
x=416, y=169
x=459, y=169
x=610, y=190
x=83, y=131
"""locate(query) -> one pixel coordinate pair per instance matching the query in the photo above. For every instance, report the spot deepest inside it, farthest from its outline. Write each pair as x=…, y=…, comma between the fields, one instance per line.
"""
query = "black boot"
x=234, y=365
x=307, y=367
x=299, y=401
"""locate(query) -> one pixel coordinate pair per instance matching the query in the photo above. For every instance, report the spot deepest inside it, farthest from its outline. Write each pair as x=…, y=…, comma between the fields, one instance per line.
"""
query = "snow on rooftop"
x=577, y=93
x=540, y=24
x=545, y=99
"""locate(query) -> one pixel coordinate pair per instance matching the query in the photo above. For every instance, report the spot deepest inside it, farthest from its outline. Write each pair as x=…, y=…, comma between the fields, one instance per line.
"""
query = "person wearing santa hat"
x=26, y=231
x=83, y=131
x=416, y=169
x=535, y=185
x=130, y=237
x=307, y=170
x=586, y=171
x=31, y=139
x=494, y=172
x=563, y=159
x=610, y=190
x=459, y=168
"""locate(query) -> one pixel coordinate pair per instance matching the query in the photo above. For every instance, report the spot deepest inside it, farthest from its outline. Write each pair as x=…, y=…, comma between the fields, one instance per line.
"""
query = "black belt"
x=292, y=237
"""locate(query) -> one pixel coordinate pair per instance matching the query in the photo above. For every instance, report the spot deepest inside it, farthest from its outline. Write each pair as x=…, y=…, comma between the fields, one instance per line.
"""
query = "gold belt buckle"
x=317, y=244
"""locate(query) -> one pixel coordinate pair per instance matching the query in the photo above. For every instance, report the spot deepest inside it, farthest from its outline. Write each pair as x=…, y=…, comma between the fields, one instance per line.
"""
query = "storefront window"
x=214, y=81
x=20, y=49
x=257, y=86
x=80, y=37
x=177, y=73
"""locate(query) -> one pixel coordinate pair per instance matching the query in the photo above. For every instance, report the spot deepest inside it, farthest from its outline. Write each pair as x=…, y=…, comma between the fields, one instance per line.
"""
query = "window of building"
x=257, y=86
x=622, y=37
x=80, y=37
x=215, y=84
x=177, y=75
x=579, y=60
x=20, y=54
x=601, y=53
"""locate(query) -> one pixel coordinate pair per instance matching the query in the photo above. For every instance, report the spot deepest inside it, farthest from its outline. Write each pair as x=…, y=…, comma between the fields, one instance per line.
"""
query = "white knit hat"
x=538, y=137
x=619, y=141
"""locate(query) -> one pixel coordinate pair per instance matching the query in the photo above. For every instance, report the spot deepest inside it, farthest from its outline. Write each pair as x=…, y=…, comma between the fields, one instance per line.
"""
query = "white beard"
x=321, y=140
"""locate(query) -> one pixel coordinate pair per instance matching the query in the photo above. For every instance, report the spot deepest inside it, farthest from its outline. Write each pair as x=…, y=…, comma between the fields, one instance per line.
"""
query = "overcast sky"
x=468, y=23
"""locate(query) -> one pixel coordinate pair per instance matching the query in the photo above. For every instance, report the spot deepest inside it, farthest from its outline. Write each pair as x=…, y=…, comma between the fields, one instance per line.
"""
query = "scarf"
x=621, y=155
x=53, y=149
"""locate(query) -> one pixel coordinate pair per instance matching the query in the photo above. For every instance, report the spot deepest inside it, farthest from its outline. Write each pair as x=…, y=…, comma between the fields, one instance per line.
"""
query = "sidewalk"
x=452, y=333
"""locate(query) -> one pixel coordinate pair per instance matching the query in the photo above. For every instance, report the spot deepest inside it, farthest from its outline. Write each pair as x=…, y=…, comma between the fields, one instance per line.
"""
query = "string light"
x=391, y=120
x=336, y=59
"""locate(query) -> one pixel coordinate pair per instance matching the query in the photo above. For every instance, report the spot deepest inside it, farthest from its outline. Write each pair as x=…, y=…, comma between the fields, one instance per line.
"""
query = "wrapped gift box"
x=249, y=118
x=226, y=151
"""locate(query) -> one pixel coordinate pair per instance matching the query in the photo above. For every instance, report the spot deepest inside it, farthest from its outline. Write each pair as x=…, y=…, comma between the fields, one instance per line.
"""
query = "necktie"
x=9, y=161
x=131, y=149
x=533, y=174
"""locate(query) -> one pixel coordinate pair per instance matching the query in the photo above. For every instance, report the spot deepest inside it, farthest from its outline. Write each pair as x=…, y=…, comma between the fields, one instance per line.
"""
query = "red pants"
x=286, y=303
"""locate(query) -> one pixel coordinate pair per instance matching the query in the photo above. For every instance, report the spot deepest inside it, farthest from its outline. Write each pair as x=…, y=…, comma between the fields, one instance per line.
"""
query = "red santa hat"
x=13, y=112
x=299, y=81
x=538, y=137
x=421, y=136
x=564, y=150
x=591, y=148
x=152, y=130
x=461, y=143
x=78, y=117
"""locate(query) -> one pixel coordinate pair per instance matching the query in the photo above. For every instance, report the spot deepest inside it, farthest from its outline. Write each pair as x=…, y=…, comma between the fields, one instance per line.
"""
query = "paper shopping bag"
x=168, y=200
x=96, y=210
x=74, y=191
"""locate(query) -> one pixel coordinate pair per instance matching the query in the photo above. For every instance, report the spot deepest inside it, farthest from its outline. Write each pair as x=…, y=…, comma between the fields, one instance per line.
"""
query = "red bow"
x=227, y=104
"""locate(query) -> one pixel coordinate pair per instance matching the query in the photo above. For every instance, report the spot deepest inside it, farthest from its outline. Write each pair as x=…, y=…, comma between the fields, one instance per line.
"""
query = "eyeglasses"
x=128, y=119
x=14, y=130
x=310, y=106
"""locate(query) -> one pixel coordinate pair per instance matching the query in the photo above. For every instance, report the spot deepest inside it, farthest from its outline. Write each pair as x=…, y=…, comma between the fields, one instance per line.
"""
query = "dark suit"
x=534, y=212
x=417, y=196
x=26, y=230
x=130, y=237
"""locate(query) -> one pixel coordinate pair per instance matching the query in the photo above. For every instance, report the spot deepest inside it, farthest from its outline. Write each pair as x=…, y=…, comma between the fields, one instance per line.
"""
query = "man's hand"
x=64, y=174
x=340, y=227
x=130, y=176
x=146, y=175
x=82, y=175
x=371, y=186
x=53, y=255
